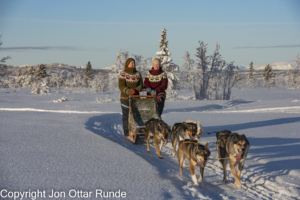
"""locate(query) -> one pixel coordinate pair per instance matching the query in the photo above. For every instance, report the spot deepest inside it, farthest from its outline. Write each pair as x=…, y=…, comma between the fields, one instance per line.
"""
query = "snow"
x=78, y=145
x=285, y=65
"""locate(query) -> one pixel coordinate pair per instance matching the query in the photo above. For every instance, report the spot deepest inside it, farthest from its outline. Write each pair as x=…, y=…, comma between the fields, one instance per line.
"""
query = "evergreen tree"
x=88, y=73
x=164, y=55
x=251, y=71
x=268, y=75
x=41, y=71
x=31, y=71
x=250, y=81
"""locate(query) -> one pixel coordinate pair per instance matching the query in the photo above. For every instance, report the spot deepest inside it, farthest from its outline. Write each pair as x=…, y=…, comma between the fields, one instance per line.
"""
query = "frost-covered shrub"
x=63, y=99
x=44, y=88
x=35, y=88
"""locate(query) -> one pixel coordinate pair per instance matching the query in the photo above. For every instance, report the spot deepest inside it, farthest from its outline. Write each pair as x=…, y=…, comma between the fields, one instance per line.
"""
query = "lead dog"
x=196, y=154
x=160, y=130
x=235, y=148
x=185, y=130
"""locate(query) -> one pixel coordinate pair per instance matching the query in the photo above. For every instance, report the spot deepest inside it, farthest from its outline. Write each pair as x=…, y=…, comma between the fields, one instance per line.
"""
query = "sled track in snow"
x=292, y=109
x=57, y=111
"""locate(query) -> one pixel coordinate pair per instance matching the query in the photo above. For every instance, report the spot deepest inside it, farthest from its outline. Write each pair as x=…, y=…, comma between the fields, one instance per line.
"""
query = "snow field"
x=79, y=144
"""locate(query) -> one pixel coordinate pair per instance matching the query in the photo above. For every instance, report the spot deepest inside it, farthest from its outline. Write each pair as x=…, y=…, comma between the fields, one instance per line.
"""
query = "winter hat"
x=155, y=61
x=127, y=69
x=128, y=61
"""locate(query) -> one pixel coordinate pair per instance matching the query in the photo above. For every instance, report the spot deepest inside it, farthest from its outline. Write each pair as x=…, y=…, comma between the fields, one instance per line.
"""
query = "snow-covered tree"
x=120, y=61
x=35, y=88
x=189, y=63
x=268, y=75
x=166, y=64
x=99, y=83
x=19, y=79
x=164, y=55
x=145, y=66
x=297, y=61
x=296, y=73
x=88, y=74
x=251, y=80
x=41, y=71
x=31, y=71
x=251, y=70
x=216, y=77
x=229, y=80
x=202, y=63
x=44, y=88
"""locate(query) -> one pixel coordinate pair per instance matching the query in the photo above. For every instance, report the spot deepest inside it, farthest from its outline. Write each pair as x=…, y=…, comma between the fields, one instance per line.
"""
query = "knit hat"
x=127, y=69
x=155, y=61
x=128, y=61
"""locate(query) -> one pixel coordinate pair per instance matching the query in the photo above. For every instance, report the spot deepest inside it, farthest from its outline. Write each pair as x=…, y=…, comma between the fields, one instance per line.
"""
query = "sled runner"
x=141, y=109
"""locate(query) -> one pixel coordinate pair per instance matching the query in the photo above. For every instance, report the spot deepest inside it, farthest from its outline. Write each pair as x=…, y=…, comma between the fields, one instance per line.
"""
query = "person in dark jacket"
x=130, y=82
x=156, y=82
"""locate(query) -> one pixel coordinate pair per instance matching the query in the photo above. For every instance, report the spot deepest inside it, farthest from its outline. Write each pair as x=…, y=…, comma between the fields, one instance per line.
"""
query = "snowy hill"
x=275, y=66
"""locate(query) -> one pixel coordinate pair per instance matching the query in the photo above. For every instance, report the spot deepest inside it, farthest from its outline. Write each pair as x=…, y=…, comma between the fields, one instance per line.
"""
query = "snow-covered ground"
x=77, y=145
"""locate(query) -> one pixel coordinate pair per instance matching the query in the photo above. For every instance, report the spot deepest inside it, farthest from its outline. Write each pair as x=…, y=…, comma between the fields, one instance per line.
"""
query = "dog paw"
x=238, y=184
x=225, y=181
x=148, y=151
x=173, y=154
x=161, y=157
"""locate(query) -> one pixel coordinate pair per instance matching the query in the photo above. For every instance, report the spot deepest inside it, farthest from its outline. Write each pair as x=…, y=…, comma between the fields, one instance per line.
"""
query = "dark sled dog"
x=196, y=154
x=234, y=147
x=160, y=130
x=185, y=130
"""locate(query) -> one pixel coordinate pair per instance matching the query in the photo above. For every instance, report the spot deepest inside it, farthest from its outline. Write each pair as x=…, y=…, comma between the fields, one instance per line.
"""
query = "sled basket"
x=140, y=111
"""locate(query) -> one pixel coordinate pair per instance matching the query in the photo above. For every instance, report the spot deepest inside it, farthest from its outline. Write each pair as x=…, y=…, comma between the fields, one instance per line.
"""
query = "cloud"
x=269, y=47
x=63, y=48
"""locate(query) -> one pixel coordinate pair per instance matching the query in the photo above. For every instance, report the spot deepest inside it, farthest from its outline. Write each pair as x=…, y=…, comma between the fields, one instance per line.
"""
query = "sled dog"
x=196, y=154
x=185, y=130
x=160, y=130
x=234, y=147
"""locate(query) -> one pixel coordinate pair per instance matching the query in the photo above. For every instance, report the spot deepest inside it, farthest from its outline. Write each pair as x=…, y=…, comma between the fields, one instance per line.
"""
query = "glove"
x=148, y=90
x=130, y=91
x=153, y=92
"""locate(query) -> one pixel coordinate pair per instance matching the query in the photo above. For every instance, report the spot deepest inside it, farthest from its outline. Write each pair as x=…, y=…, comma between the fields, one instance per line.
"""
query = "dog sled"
x=142, y=108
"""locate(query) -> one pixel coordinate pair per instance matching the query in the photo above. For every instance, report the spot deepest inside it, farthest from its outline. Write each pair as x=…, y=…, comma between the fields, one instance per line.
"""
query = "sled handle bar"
x=147, y=96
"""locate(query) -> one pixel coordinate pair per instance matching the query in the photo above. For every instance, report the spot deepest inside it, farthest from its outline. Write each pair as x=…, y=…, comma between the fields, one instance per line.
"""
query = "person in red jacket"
x=156, y=81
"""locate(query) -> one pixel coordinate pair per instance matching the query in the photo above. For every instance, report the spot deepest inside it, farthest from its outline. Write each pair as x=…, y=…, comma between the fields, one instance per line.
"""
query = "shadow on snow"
x=109, y=126
x=272, y=154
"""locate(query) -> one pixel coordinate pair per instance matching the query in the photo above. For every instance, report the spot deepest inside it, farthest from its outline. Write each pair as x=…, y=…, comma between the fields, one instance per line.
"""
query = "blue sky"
x=74, y=32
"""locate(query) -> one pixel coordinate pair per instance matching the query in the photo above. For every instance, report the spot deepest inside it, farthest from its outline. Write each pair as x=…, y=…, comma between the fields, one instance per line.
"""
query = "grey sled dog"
x=188, y=129
x=160, y=130
x=235, y=148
